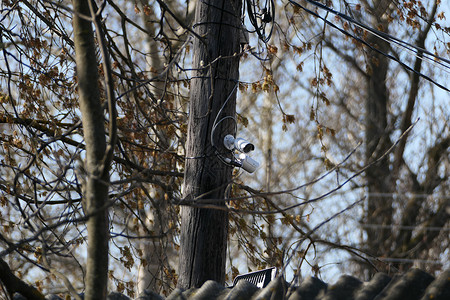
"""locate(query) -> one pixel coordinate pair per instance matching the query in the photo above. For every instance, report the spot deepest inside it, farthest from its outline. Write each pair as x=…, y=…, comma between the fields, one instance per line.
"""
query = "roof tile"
x=413, y=285
x=440, y=288
x=371, y=289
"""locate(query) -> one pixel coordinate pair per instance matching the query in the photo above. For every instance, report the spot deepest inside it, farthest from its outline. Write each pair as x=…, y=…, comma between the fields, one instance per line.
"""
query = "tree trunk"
x=379, y=208
x=153, y=252
x=204, y=231
x=158, y=254
x=97, y=177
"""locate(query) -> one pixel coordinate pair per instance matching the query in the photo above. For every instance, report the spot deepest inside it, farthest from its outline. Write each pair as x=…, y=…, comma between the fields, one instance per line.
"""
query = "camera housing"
x=247, y=163
x=240, y=144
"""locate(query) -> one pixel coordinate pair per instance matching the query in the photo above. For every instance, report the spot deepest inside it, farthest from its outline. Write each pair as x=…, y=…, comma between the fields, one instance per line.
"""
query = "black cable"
x=370, y=46
x=376, y=32
x=260, y=19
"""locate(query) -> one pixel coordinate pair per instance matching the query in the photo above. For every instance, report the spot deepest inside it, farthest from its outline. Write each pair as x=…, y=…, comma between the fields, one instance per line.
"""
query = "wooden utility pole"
x=214, y=81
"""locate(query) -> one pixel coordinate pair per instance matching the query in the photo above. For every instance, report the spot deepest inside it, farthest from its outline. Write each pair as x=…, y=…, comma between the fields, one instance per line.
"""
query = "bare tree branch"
x=14, y=284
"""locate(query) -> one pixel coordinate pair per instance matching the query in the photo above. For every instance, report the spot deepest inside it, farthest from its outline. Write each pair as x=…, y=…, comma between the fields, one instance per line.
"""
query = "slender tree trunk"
x=158, y=254
x=379, y=201
x=266, y=124
x=97, y=177
x=376, y=138
x=216, y=63
x=390, y=174
x=154, y=254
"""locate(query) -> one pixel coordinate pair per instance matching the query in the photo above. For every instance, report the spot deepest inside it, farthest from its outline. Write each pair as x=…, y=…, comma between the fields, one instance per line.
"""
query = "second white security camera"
x=242, y=145
x=239, y=144
x=247, y=163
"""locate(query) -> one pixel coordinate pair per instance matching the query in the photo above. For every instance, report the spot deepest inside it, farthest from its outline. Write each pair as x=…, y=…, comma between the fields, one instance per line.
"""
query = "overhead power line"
x=378, y=33
x=409, y=195
x=420, y=52
x=403, y=227
x=408, y=260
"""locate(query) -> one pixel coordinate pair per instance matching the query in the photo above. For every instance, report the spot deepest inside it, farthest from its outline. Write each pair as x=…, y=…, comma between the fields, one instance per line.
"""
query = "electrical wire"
x=214, y=127
x=407, y=260
x=379, y=34
x=259, y=19
x=382, y=35
x=216, y=123
x=404, y=227
x=389, y=195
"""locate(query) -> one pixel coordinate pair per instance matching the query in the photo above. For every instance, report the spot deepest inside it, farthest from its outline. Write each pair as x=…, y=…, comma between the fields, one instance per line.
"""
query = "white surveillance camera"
x=243, y=145
x=239, y=144
x=247, y=163
x=243, y=160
